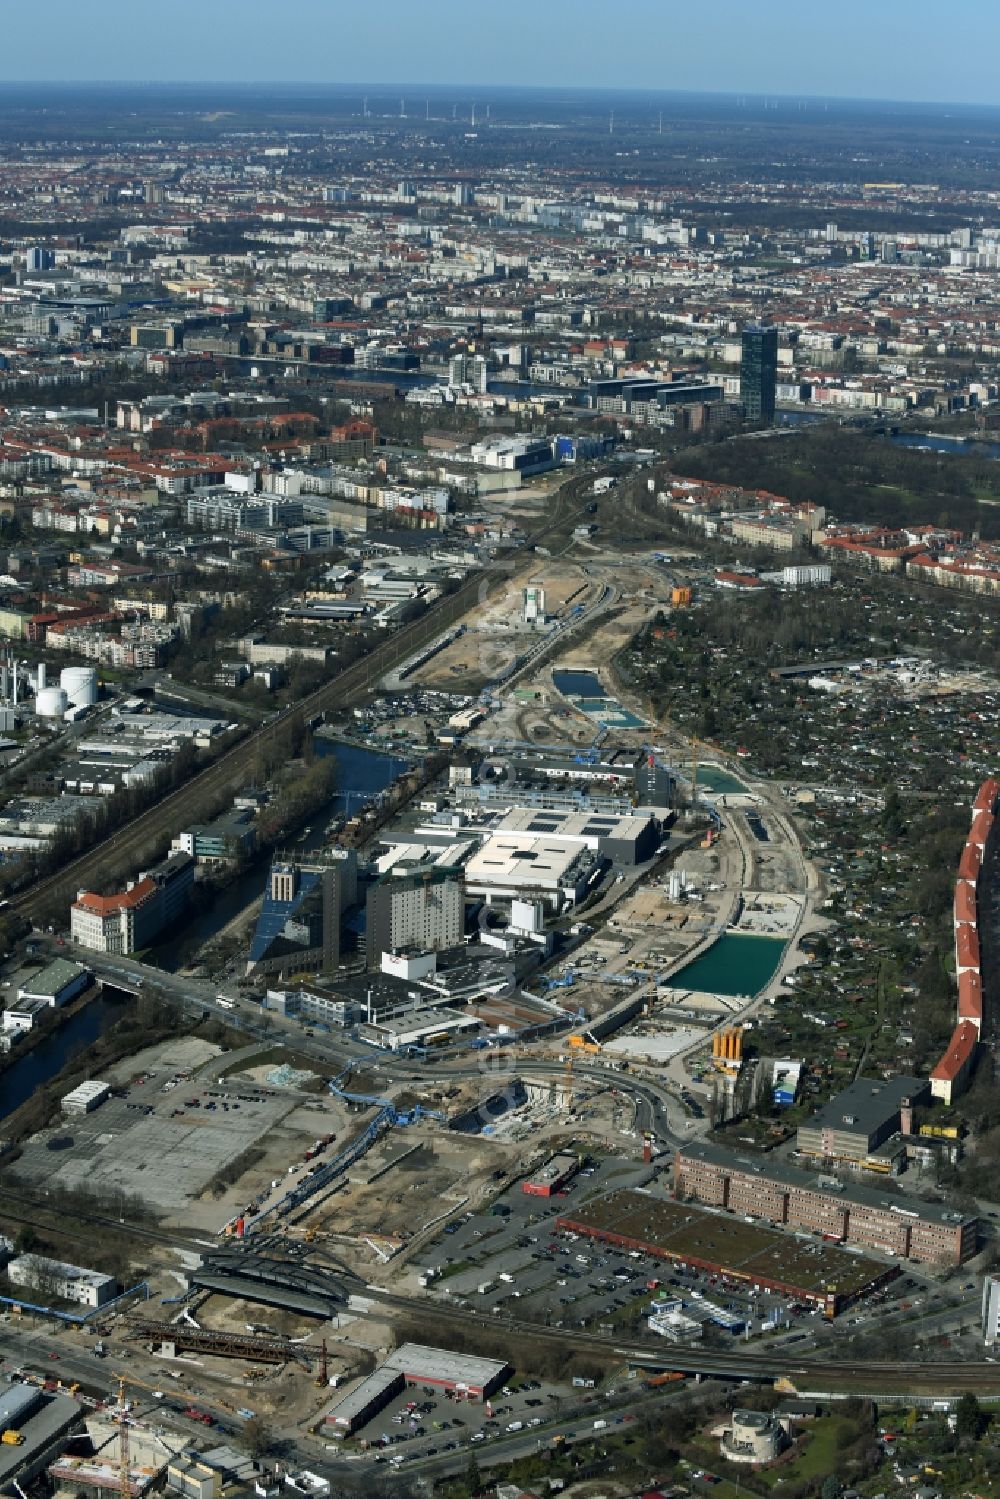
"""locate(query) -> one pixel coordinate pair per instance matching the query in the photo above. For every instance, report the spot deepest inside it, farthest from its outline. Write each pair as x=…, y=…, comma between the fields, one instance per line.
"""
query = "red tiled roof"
x=961, y=1048
x=107, y=905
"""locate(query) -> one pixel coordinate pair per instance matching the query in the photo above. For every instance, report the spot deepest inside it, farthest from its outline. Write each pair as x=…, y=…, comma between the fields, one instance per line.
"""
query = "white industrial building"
x=623, y=839
x=419, y=1027
x=991, y=1309
x=86, y=1097
x=534, y=604
x=517, y=866
x=52, y=1280
x=55, y=984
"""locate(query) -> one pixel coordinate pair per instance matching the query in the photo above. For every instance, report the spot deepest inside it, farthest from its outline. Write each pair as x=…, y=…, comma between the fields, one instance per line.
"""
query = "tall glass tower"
x=759, y=372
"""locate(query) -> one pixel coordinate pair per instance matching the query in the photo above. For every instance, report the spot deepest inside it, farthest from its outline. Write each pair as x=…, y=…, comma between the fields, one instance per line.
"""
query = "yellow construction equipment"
x=581, y=1043
x=12, y=1438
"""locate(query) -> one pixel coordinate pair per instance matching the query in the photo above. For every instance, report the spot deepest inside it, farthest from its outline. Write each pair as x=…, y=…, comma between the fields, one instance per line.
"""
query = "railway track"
x=27, y=1210
x=813, y=1375
x=228, y=770
x=136, y=839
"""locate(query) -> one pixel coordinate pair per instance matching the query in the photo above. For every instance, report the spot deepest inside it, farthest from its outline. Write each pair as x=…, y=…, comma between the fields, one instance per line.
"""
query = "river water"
x=36, y=1067
x=937, y=443
x=361, y=774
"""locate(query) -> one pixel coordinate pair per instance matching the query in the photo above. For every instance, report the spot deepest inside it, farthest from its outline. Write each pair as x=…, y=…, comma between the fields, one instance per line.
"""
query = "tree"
x=831, y=1488
x=473, y=1477
x=257, y=1436
x=969, y=1420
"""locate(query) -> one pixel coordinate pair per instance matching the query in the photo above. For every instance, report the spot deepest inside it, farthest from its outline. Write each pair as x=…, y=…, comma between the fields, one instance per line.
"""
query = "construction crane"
x=124, y=1485
x=323, y=1377
x=568, y=1088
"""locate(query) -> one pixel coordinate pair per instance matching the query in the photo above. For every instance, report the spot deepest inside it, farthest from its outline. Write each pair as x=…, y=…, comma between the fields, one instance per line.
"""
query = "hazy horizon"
x=897, y=52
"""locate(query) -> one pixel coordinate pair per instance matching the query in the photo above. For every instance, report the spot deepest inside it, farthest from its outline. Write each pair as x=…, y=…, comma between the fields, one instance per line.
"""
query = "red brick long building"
x=800, y=1200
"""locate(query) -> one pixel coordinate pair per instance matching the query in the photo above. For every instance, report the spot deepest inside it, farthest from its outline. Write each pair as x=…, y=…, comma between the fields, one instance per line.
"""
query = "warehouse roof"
x=523, y=861
x=867, y=1103
x=49, y=981
x=378, y=1385
x=573, y=827
x=418, y=1361
x=17, y=1403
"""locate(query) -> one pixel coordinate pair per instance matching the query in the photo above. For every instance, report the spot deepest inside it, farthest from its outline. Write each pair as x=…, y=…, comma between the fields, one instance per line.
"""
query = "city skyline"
x=854, y=53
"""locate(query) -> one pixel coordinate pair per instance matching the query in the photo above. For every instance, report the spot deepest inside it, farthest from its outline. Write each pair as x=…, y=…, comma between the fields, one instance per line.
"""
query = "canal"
x=37, y=1067
x=361, y=774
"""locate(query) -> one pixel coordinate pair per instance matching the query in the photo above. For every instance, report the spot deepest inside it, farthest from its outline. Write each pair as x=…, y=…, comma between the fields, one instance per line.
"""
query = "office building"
x=759, y=372
x=39, y=259
x=856, y=1124
x=421, y=908
x=468, y=369
x=304, y=902
x=226, y=840
x=130, y=919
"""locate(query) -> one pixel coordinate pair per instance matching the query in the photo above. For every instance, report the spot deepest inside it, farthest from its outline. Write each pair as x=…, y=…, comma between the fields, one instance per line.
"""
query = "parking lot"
x=513, y=1263
x=160, y=1136
x=423, y=1421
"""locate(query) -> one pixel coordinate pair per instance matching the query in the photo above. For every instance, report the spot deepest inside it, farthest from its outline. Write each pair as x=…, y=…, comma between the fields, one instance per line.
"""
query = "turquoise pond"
x=714, y=778
x=736, y=964
x=585, y=692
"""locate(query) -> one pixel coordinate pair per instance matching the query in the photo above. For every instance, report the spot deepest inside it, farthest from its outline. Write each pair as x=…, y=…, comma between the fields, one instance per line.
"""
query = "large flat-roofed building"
x=804, y=1201
x=415, y=1364
x=855, y=1123
x=418, y=1028
x=422, y=909
x=622, y=840
x=86, y=1097
x=42, y=1420
x=752, y=1253
x=623, y=780
x=516, y=866
x=466, y=1373
x=553, y=1176
x=362, y=1404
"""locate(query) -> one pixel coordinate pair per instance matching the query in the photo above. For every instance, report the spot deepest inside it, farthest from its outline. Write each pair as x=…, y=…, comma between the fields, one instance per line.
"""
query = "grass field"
x=817, y=1458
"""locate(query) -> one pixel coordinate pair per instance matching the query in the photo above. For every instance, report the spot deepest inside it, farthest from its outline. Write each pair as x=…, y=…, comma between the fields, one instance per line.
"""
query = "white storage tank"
x=51, y=702
x=80, y=685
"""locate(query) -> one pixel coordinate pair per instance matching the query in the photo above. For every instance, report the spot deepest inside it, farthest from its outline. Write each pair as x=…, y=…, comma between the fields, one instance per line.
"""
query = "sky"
x=868, y=49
